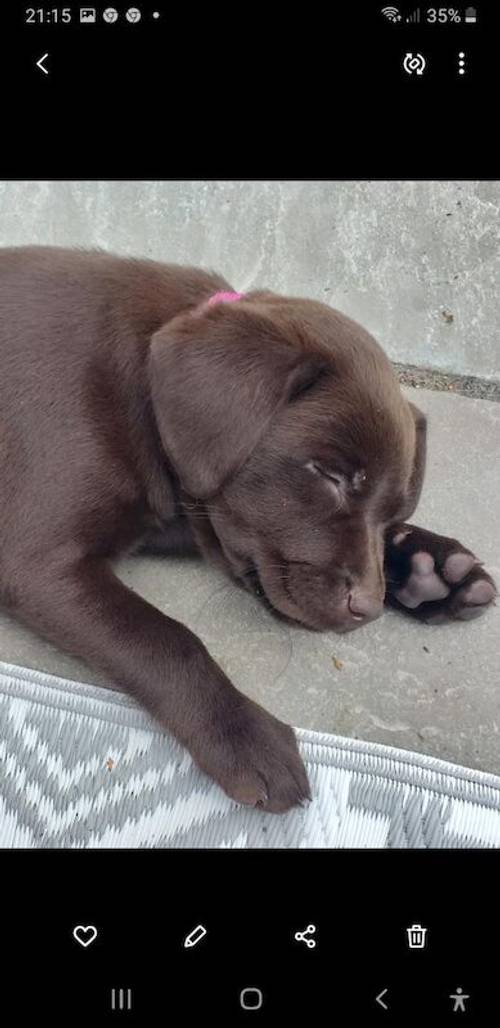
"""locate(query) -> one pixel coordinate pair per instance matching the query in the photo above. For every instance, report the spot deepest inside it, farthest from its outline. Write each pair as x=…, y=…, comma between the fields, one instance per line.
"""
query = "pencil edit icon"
x=195, y=936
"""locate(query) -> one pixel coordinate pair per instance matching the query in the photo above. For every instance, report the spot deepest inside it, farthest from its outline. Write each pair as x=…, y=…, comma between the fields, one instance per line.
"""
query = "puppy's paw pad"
x=481, y=591
x=423, y=584
x=475, y=599
x=457, y=566
x=436, y=578
x=469, y=613
x=400, y=536
x=422, y=563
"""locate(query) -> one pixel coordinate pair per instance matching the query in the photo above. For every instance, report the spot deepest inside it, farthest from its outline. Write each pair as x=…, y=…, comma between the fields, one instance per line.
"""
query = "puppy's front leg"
x=82, y=607
x=433, y=577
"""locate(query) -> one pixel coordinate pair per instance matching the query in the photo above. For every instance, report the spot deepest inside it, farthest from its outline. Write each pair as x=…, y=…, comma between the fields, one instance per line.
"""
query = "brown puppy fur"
x=269, y=435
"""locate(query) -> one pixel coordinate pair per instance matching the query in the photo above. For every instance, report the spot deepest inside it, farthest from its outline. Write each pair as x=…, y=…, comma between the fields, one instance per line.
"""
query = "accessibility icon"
x=459, y=999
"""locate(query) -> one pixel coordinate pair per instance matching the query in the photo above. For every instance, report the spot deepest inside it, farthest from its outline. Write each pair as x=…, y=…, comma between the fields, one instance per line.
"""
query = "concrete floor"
x=431, y=689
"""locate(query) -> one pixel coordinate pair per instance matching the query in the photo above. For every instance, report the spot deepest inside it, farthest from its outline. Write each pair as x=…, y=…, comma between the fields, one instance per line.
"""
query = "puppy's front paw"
x=255, y=759
x=435, y=577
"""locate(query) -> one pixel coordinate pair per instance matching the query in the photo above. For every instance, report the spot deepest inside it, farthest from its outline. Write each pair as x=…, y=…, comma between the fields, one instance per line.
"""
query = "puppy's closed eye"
x=318, y=469
x=335, y=481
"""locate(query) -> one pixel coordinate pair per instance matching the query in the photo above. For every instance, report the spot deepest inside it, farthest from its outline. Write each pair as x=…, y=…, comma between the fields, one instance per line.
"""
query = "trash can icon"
x=416, y=936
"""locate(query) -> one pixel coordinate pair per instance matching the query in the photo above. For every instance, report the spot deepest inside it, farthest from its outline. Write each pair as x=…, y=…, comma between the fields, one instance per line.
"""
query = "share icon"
x=302, y=936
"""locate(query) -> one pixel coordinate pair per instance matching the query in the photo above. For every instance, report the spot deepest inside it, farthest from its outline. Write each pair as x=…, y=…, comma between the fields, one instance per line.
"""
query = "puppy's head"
x=285, y=423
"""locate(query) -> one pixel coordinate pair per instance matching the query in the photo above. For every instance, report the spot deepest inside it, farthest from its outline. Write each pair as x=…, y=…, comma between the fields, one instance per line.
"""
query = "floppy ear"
x=217, y=378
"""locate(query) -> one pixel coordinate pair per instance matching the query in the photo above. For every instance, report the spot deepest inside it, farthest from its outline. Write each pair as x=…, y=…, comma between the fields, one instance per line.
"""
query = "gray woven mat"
x=81, y=767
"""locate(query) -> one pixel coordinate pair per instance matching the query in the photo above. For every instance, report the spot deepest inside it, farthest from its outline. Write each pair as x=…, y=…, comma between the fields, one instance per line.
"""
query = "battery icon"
x=470, y=14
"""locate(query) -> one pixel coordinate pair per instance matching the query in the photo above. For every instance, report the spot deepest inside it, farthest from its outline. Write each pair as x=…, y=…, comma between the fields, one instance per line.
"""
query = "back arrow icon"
x=379, y=999
x=40, y=65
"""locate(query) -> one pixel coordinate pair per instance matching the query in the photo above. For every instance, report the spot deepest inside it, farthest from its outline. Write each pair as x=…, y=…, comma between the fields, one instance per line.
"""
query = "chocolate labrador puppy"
x=147, y=406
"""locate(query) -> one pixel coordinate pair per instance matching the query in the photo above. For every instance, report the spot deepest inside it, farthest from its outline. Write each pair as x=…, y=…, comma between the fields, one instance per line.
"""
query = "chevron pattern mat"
x=81, y=766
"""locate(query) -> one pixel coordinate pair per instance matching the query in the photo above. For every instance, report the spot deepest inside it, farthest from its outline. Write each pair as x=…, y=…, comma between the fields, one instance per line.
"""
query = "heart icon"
x=85, y=935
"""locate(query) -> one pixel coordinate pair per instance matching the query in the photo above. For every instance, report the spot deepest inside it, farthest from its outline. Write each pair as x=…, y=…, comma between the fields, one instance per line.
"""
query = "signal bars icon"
x=415, y=17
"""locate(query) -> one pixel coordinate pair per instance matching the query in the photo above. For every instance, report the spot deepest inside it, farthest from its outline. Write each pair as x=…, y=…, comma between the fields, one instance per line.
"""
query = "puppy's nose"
x=364, y=606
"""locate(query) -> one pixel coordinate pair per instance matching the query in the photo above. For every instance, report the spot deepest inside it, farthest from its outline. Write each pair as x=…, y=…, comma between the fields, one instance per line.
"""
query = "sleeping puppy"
x=147, y=406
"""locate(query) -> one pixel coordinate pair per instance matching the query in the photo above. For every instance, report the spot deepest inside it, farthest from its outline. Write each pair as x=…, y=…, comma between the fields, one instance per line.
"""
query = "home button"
x=251, y=999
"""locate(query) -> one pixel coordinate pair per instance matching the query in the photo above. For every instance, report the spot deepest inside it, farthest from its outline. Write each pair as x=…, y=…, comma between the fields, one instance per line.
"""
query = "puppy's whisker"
x=200, y=515
x=265, y=567
x=219, y=595
x=181, y=508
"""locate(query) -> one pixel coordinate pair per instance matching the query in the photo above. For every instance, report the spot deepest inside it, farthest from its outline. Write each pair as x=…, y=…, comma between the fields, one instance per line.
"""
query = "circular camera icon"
x=110, y=15
x=133, y=15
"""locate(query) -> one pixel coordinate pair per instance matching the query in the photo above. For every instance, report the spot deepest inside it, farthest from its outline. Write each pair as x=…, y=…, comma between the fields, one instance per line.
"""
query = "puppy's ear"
x=217, y=377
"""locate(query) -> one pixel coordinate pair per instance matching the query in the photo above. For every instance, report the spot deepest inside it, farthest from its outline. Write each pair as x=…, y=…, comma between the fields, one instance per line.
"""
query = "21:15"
x=52, y=16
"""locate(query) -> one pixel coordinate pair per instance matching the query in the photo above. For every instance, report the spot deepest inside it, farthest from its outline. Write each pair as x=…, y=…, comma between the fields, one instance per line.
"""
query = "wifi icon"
x=391, y=13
